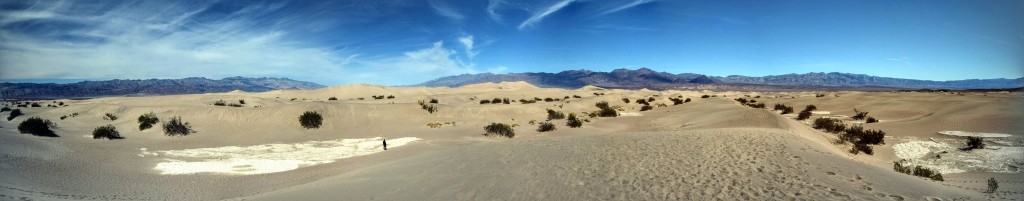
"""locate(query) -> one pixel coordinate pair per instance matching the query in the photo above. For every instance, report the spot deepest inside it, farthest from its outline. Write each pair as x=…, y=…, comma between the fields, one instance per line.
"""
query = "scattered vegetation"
x=147, y=120
x=645, y=108
x=679, y=101
x=332, y=98
x=108, y=131
x=524, y=101
x=391, y=97
x=576, y=96
x=5, y=109
x=552, y=114
x=499, y=129
x=431, y=107
x=433, y=101
x=973, y=143
x=916, y=170
x=62, y=117
x=176, y=127
x=485, y=101
x=241, y=101
x=14, y=114
x=810, y=108
x=310, y=120
x=36, y=105
x=222, y=103
x=605, y=110
x=38, y=127
x=573, y=122
x=859, y=115
x=109, y=116
x=857, y=135
x=545, y=127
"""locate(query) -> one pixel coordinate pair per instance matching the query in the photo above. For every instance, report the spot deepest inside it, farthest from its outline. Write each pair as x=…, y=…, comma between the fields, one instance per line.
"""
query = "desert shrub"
x=499, y=129
x=310, y=120
x=108, y=131
x=36, y=105
x=756, y=105
x=778, y=106
x=222, y=103
x=625, y=100
x=496, y=101
x=109, y=116
x=676, y=101
x=859, y=115
x=642, y=102
x=434, y=101
x=819, y=95
x=803, y=115
x=537, y=99
x=565, y=98
x=598, y=94
x=899, y=167
x=147, y=120
x=391, y=97
x=332, y=98
x=645, y=108
x=545, y=127
x=787, y=110
x=741, y=100
x=993, y=185
x=829, y=125
x=810, y=108
x=862, y=148
x=576, y=96
x=549, y=99
x=376, y=97
x=572, y=121
x=687, y=100
x=14, y=114
x=5, y=109
x=38, y=127
x=430, y=108
x=705, y=96
x=485, y=101
x=504, y=101
x=552, y=114
x=871, y=120
x=176, y=127
x=241, y=101
x=605, y=110
x=973, y=143
x=918, y=170
x=872, y=137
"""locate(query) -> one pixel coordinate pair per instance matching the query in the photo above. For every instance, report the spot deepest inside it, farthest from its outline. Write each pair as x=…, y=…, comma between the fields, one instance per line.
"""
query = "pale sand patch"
x=946, y=157
x=821, y=112
x=974, y=134
x=631, y=114
x=267, y=158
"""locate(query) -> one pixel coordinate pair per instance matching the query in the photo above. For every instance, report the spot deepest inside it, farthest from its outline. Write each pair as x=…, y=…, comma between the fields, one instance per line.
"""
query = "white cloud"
x=492, y=9
x=467, y=44
x=626, y=6
x=442, y=8
x=415, y=66
x=537, y=17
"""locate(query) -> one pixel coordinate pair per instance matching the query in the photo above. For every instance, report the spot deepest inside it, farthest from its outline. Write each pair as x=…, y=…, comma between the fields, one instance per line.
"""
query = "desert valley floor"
x=712, y=148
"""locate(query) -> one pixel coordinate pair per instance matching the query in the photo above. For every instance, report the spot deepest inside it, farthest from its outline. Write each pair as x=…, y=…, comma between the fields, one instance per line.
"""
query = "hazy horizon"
x=409, y=42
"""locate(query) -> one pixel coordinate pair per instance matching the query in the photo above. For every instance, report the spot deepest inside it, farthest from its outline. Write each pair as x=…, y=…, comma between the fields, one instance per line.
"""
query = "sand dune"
x=710, y=148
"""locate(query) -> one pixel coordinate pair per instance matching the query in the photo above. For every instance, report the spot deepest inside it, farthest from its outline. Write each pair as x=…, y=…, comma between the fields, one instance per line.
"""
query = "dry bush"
x=222, y=103
x=973, y=143
x=485, y=101
x=552, y=114
x=310, y=120
x=859, y=115
x=14, y=114
x=573, y=122
x=38, y=127
x=803, y=115
x=499, y=129
x=705, y=96
x=147, y=120
x=109, y=116
x=645, y=108
x=332, y=98
x=605, y=110
x=108, y=131
x=625, y=100
x=871, y=120
x=176, y=127
x=545, y=127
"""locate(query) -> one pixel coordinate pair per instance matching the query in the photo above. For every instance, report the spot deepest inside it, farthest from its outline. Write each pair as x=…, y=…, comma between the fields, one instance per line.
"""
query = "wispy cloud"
x=416, y=66
x=538, y=16
x=492, y=9
x=467, y=44
x=443, y=9
x=625, y=6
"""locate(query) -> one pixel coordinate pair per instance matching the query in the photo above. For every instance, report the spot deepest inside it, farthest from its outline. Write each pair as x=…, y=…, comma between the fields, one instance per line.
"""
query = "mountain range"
x=147, y=87
x=647, y=78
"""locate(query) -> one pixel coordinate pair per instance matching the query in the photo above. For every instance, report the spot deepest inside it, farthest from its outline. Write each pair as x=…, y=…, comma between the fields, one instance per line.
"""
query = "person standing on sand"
x=385, y=144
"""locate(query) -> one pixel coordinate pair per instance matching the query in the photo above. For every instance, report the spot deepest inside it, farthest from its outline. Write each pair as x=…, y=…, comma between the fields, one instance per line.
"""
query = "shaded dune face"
x=711, y=148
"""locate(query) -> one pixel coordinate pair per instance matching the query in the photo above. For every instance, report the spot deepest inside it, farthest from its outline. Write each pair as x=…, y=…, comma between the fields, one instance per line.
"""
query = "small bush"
x=741, y=100
x=829, y=125
x=499, y=129
x=109, y=116
x=576, y=96
x=222, y=103
x=705, y=96
x=803, y=115
x=485, y=101
x=176, y=127
x=36, y=105
x=645, y=108
x=676, y=101
x=241, y=101
x=573, y=122
x=434, y=101
x=14, y=114
x=625, y=100
x=5, y=109
x=605, y=110
x=871, y=120
x=787, y=110
x=108, y=131
x=549, y=99
x=859, y=115
x=545, y=127
x=858, y=148
x=810, y=108
x=973, y=143
x=38, y=127
x=918, y=170
x=505, y=101
x=332, y=98
x=310, y=120
x=552, y=114
x=993, y=185
x=756, y=105
x=391, y=97
x=147, y=120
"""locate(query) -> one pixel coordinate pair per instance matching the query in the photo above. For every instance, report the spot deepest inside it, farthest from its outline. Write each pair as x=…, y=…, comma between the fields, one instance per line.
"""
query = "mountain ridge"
x=127, y=87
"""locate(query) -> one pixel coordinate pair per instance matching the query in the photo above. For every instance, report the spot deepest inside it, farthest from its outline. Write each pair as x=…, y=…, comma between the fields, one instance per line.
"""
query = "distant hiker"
x=385, y=144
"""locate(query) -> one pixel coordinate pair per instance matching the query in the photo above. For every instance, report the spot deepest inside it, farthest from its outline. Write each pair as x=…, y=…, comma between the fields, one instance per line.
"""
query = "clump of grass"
x=499, y=129
x=109, y=116
x=545, y=127
x=222, y=103
x=147, y=120
x=391, y=97
x=973, y=143
x=645, y=108
x=177, y=127
x=803, y=115
x=310, y=120
x=38, y=127
x=573, y=121
x=917, y=170
x=993, y=185
x=859, y=115
x=871, y=120
x=552, y=114
x=605, y=110
x=705, y=96
x=108, y=131
x=332, y=98
x=14, y=114
x=430, y=108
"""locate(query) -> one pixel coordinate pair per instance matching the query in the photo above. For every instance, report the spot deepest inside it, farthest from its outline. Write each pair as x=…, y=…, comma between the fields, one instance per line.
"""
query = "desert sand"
x=707, y=149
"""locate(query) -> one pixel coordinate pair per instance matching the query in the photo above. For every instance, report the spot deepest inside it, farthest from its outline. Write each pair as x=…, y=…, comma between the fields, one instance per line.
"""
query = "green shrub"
x=545, y=127
x=14, y=114
x=310, y=120
x=147, y=120
x=38, y=127
x=552, y=114
x=108, y=131
x=499, y=129
x=176, y=127
x=573, y=122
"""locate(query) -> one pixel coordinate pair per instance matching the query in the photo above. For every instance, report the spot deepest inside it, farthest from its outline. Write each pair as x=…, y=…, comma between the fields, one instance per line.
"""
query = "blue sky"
x=397, y=42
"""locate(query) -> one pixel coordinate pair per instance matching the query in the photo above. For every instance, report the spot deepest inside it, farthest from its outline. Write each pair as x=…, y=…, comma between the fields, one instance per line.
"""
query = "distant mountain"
x=147, y=87
x=647, y=78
